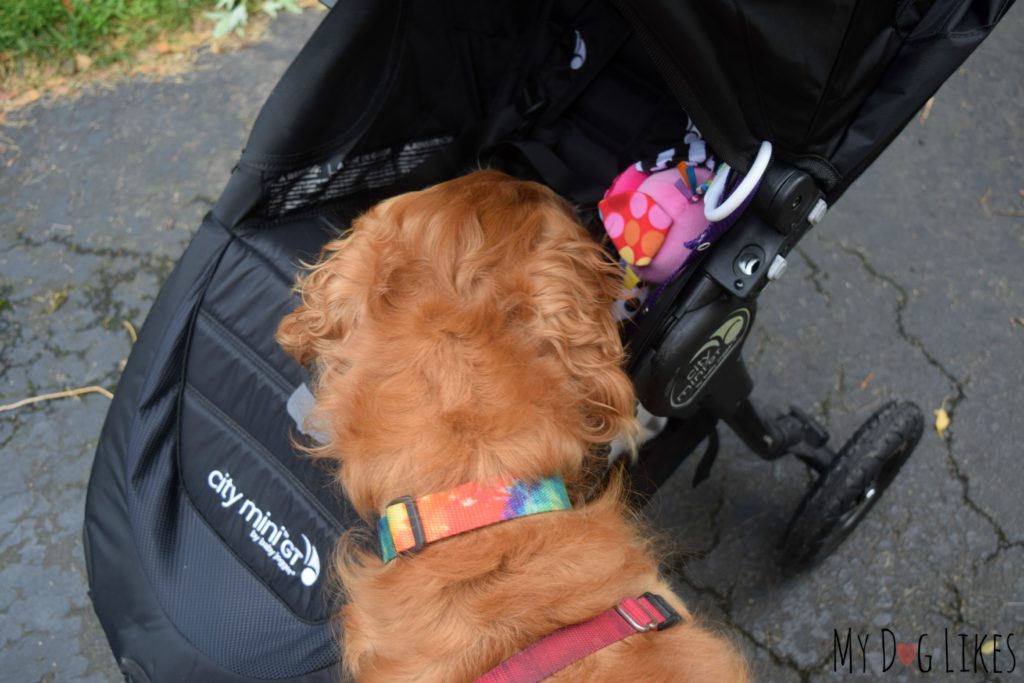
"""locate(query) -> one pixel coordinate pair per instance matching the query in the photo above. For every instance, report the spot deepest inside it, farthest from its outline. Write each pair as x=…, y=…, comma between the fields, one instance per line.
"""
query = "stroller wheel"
x=852, y=484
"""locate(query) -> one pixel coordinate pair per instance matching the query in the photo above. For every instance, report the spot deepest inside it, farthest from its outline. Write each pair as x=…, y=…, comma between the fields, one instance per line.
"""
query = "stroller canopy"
x=829, y=83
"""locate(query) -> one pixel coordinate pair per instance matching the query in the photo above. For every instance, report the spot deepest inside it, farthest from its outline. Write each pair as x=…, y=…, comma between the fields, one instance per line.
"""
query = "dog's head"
x=460, y=333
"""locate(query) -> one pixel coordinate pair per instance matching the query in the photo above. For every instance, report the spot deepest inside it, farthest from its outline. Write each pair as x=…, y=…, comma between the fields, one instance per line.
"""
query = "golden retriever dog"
x=458, y=334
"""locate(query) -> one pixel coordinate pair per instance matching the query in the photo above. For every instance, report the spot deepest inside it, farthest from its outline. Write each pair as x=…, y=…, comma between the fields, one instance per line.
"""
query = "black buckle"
x=415, y=523
x=670, y=616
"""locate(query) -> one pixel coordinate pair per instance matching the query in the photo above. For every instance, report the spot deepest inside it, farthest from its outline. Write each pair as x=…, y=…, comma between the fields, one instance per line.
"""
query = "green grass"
x=48, y=32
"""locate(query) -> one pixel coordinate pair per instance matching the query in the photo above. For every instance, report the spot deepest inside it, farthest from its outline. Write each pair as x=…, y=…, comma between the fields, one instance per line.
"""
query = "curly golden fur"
x=457, y=334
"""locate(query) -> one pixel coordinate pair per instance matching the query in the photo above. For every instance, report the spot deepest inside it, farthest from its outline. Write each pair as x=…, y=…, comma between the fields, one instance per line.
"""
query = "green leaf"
x=274, y=7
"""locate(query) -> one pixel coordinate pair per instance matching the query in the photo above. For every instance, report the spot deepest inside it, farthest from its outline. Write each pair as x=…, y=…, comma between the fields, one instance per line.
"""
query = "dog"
x=460, y=334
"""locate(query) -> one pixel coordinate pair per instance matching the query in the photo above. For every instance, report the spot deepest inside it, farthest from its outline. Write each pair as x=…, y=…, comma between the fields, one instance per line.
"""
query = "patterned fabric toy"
x=656, y=220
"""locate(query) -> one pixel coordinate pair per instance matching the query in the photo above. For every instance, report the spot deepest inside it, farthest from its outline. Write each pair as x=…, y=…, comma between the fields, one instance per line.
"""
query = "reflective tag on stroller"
x=300, y=405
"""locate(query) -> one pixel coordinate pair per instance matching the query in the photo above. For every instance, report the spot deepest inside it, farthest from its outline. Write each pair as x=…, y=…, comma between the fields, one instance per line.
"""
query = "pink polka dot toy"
x=651, y=217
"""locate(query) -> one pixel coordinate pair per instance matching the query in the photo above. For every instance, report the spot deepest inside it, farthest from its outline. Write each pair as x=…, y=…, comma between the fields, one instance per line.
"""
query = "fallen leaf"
x=1013, y=213
x=984, y=201
x=1017, y=322
x=27, y=97
x=163, y=47
x=131, y=330
x=988, y=647
x=57, y=299
x=866, y=382
x=82, y=62
x=941, y=421
x=927, y=109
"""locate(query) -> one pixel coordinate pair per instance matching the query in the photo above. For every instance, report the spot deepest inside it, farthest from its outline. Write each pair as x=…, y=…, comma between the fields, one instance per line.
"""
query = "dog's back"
x=460, y=334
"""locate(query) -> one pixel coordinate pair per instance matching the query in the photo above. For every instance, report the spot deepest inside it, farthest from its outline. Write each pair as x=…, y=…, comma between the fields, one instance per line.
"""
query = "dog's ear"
x=577, y=324
x=294, y=335
x=333, y=295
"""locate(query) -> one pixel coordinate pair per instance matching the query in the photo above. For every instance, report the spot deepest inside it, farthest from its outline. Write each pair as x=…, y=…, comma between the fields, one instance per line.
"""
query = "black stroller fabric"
x=190, y=549
x=208, y=535
x=830, y=84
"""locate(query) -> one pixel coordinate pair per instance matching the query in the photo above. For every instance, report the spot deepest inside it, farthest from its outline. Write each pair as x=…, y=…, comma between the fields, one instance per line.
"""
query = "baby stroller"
x=206, y=533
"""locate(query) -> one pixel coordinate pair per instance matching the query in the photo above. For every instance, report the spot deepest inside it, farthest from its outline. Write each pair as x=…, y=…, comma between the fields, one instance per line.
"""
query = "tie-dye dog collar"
x=410, y=523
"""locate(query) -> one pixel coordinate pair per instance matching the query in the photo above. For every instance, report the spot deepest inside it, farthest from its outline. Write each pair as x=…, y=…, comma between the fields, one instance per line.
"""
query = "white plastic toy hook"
x=715, y=212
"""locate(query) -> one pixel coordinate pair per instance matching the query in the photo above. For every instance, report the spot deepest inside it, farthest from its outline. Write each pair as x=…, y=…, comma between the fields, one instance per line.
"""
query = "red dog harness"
x=550, y=655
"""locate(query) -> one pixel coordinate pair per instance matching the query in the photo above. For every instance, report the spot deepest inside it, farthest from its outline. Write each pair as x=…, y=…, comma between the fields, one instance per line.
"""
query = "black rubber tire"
x=852, y=484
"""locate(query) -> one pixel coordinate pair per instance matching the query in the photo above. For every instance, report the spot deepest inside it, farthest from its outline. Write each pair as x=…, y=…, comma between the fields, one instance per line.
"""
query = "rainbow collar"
x=410, y=523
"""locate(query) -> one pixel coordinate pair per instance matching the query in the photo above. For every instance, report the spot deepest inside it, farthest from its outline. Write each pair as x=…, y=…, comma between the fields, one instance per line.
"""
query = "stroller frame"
x=681, y=365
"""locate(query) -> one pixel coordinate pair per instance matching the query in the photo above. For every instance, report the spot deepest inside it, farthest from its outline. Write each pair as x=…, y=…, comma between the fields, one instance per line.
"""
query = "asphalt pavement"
x=910, y=289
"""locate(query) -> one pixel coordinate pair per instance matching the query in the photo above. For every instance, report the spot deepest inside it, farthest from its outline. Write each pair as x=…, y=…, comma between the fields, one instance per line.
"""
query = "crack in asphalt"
x=953, y=611
x=824, y=406
x=716, y=526
x=97, y=293
x=9, y=437
x=902, y=302
x=816, y=275
x=724, y=602
x=1003, y=541
x=154, y=264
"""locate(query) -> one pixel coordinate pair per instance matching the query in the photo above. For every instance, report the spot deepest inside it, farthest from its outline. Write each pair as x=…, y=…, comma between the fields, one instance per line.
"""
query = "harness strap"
x=553, y=653
x=410, y=523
